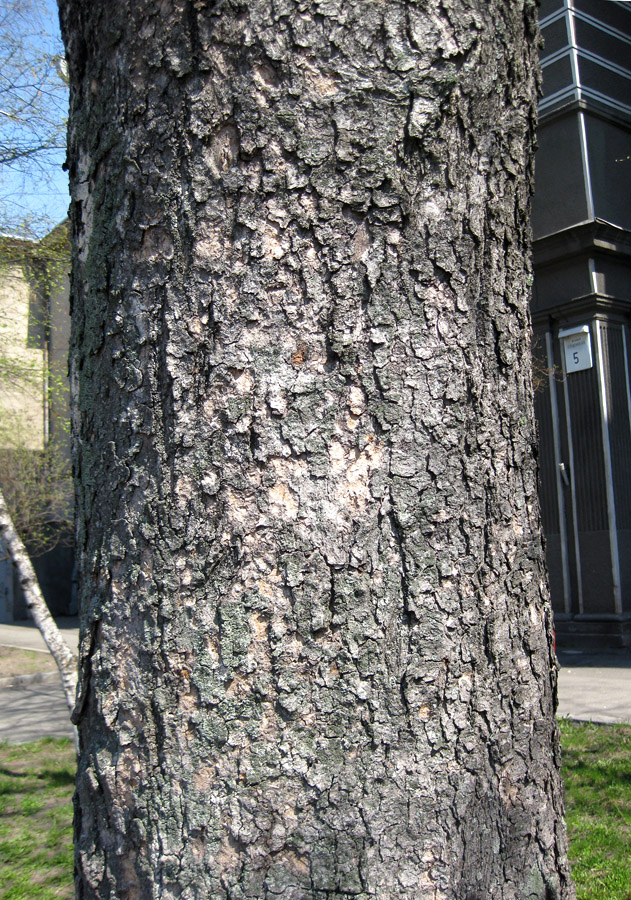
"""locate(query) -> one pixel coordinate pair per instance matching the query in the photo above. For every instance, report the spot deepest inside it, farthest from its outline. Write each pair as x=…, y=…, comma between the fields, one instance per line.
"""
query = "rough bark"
x=66, y=661
x=316, y=641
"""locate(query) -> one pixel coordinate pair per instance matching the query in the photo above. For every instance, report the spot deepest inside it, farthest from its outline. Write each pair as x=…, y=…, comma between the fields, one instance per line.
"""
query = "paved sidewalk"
x=26, y=636
x=594, y=687
x=33, y=711
x=35, y=705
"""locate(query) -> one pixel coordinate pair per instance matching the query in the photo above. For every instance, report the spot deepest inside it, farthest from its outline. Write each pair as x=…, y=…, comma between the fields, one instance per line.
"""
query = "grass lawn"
x=597, y=773
x=36, y=784
x=36, y=812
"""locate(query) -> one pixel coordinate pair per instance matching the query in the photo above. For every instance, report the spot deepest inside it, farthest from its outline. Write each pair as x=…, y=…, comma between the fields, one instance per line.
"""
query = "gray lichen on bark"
x=315, y=626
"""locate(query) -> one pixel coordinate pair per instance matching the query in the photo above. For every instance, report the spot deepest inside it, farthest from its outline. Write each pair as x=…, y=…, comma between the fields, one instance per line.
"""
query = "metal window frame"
x=583, y=93
x=577, y=90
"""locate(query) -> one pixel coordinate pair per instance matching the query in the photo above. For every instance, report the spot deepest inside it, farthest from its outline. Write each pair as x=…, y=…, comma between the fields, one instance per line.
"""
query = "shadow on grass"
x=56, y=779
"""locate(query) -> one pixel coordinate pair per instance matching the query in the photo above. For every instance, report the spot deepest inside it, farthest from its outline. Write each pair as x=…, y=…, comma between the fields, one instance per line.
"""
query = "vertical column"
x=576, y=77
x=6, y=586
x=611, y=506
x=558, y=463
x=625, y=350
x=570, y=445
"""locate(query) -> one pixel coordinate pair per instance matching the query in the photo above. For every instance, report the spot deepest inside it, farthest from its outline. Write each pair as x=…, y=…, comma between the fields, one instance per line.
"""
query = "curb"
x=22, y=647
x=20, y=682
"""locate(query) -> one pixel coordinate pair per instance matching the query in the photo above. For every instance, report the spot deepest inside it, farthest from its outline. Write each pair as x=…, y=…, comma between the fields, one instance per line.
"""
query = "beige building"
x=22, y=364
x=34, y=414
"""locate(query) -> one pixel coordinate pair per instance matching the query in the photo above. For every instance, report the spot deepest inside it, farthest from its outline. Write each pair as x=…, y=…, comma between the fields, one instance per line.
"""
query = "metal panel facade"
x=582, y=257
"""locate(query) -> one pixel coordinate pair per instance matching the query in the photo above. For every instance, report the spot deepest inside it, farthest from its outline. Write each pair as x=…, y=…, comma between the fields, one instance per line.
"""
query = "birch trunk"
x=36, y=605
x=316, y=637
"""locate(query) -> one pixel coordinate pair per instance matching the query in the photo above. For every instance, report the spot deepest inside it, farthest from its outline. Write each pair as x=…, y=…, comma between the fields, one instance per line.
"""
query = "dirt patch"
x=24, y=662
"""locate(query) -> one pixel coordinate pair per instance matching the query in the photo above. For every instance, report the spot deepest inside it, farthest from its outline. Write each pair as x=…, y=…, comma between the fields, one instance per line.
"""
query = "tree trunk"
x=316, y=637
x=66, y=661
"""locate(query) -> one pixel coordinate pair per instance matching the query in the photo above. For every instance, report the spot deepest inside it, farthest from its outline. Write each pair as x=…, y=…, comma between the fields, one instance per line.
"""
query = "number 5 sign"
x=577, y=348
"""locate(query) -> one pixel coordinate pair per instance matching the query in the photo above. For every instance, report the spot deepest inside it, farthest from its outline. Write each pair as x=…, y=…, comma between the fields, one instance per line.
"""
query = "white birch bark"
x=36, y=605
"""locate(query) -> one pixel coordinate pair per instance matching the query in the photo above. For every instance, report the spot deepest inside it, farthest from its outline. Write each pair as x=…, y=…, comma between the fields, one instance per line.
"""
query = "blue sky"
x=33, y=193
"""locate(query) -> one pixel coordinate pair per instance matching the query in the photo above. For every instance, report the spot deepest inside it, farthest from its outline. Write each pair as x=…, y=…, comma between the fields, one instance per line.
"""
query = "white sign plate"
x=577, y=347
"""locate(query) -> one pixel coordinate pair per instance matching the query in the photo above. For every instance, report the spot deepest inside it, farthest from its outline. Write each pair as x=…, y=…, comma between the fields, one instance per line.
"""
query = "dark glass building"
x=581, y=314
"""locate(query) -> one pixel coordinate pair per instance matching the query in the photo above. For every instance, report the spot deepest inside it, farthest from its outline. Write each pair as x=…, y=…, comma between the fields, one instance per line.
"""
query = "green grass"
x=36, y=856
x=36, y=813
x=597, y=773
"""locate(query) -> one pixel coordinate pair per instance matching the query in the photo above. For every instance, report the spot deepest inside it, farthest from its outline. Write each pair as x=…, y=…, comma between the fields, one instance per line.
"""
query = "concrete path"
x=34, y=705
x=26, y=636
x=33, y=711
x=594, y=687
